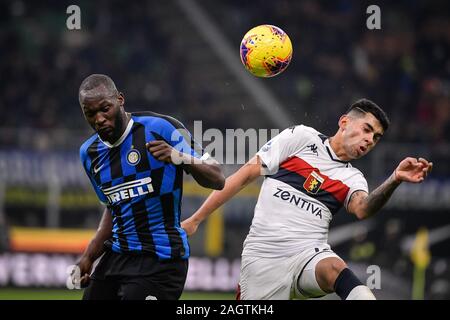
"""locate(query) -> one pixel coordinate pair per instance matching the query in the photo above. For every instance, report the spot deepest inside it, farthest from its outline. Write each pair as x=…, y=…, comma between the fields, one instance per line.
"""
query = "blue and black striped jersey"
x=142, y=193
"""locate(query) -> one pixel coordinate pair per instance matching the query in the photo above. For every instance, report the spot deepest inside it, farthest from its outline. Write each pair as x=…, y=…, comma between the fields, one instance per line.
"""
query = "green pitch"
x=55, y=294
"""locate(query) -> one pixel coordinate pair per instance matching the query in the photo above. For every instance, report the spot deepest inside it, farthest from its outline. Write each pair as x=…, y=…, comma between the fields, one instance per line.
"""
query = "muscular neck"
x=338, y=147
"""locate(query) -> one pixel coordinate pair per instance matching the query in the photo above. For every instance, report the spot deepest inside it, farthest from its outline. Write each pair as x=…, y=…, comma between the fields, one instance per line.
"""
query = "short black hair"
x=96, y=80
x=365, y=105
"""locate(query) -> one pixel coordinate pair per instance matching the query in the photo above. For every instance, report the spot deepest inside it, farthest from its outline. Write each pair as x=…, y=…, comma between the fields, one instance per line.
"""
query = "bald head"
x=95, y=85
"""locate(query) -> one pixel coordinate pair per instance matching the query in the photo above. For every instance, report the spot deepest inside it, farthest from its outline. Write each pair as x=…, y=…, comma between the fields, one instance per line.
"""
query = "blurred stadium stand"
x=161, y=61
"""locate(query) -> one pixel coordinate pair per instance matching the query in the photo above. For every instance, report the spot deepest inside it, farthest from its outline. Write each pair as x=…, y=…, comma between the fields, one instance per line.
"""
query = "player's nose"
x=99, y=120
x=369, y=140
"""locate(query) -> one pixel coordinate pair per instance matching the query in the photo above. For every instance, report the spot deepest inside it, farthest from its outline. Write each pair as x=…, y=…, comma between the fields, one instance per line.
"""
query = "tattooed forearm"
x=378, y=197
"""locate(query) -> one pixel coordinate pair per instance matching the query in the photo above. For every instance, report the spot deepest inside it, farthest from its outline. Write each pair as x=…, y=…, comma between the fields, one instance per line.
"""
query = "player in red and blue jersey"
x=307, y=179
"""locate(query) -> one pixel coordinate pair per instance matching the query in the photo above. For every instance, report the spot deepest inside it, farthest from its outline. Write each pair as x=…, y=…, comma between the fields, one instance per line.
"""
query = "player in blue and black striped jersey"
x=135, y=162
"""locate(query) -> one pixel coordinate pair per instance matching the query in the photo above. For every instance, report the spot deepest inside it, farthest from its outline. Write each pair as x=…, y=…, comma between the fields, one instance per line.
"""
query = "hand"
x=412, y=170
x=190, y=226
x=85, y=265
x=162, y=151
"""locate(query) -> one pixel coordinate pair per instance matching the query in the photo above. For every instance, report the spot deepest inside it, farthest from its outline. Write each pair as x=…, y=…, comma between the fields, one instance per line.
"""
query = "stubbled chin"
x=106, y=137
x=357, y=154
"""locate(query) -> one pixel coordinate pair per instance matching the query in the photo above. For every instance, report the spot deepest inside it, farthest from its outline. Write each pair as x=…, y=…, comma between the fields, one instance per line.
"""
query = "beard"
x=119, y=125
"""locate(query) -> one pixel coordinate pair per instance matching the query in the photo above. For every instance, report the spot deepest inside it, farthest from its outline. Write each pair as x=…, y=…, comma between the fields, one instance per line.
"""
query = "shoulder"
x=355, y=173
x=86, y=144
x=302, y=129
x=157, y=119
x=310, y=131
x=301, y=133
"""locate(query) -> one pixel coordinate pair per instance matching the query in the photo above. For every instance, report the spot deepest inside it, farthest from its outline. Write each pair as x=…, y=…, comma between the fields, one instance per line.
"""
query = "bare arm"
x=104, y=232
x=364, y=205
x=413, y=170
x=207, y=173
x=95, y=248
x=233, y=184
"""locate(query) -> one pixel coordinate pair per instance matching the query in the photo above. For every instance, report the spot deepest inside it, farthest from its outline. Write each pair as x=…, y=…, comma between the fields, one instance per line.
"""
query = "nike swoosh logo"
x=97, y=169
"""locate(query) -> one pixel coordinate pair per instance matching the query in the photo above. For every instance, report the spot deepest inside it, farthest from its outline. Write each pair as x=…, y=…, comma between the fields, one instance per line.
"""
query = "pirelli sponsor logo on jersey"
x=313, y=182
x=128, y=190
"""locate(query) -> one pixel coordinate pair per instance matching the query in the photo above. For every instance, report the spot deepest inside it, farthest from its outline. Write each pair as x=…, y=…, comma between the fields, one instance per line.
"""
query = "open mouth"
x=362, y=149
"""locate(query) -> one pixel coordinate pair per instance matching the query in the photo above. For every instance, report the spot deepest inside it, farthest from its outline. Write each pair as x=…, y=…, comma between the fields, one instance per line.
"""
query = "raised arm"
x=412, y=170
x=207, y=173
x=233, y=184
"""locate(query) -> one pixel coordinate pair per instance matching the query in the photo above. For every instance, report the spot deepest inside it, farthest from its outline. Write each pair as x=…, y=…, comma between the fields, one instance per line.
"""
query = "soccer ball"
x=266, y=51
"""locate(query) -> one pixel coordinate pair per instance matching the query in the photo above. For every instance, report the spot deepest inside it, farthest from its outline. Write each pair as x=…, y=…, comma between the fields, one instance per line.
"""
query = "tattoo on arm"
x=378, y=197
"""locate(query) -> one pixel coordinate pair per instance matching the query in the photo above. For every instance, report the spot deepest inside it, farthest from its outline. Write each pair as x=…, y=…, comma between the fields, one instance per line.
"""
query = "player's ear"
x=343, y=121
x=121, y=99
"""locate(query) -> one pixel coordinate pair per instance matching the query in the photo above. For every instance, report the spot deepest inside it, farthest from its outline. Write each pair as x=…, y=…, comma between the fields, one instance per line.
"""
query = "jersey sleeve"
x=176, y=134
x=281, y=147
x=357, y=183
x=86, y=162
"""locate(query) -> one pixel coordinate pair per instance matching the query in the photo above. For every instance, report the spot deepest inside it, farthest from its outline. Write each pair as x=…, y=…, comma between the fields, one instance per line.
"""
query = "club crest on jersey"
x=313, y=182
x=133, y=157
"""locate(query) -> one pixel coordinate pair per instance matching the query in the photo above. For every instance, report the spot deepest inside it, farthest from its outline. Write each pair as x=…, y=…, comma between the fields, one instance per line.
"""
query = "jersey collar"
x=122, y=137
x=330, y=151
